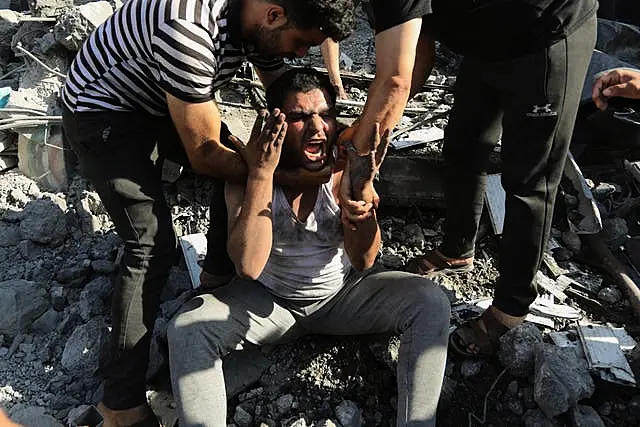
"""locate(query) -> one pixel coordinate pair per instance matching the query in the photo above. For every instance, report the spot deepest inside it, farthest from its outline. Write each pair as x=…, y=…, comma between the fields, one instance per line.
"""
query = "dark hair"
x=335, y=18
x=298, y=80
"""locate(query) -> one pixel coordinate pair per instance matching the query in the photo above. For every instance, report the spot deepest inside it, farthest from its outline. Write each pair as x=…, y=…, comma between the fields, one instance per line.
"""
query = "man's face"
x=311, y=132
x=286, y=41
x=275, y=35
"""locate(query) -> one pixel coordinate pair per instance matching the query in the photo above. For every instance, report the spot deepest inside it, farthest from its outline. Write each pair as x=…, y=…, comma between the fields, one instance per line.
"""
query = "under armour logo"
x=542, y=111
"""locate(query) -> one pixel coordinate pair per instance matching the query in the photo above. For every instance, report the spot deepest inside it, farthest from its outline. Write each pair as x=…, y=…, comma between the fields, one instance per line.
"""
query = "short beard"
x=267, y=42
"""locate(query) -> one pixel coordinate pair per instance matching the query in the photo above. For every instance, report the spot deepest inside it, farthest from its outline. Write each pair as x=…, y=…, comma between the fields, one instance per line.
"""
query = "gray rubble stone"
x=242, y=417
x=9, y=235
x=610, y=295
x=537, y=418
x=48, y=8
x=103, y=266
x=517, y=349
x=300, y=422
x=32, y=416
x=471, y=368
x=21, y=302
x=44, y=222
x=348, y=414
x=94, y=297
x=9, y=24
x=284, y=403
x=47, y=322
x=58, y=297
x=74, y=275
x=585, y=416
x=561, y=379
x=84, y=347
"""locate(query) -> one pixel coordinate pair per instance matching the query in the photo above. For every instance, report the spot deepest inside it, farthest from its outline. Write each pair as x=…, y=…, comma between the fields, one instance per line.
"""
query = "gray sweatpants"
x=211, y=325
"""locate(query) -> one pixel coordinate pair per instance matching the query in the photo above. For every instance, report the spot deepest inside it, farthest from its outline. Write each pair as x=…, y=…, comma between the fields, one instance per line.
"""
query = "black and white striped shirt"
x=188, y=48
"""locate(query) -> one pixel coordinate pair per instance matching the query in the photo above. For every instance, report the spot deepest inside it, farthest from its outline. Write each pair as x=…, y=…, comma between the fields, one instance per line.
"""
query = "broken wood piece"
x=591, y=221
x=551, y=286
x=552, y=266
x=626, y=341
x=604, y=355
x=618, y=271
x=194, y=248
x=495, y=196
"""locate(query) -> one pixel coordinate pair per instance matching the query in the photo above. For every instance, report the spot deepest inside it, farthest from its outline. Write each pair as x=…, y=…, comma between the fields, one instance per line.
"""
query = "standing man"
x=521, y=79
x=148, y=75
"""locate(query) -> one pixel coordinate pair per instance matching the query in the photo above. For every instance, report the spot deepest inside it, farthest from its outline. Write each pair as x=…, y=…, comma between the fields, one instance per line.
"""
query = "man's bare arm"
x=199, y=126
x=250, y=227
x=389, y=92
x=268, y=77
x=425, y=57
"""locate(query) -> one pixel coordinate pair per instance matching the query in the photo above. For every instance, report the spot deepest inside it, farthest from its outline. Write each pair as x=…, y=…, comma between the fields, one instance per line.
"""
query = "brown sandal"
x=434, y=262
x=478, y=337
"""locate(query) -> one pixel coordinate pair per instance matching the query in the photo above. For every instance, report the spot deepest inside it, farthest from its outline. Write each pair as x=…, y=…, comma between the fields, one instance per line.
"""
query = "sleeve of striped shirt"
x=266, y=63
x=185, y=54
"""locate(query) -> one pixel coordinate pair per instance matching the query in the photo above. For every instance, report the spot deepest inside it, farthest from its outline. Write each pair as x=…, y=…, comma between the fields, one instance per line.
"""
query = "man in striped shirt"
x=146, y=78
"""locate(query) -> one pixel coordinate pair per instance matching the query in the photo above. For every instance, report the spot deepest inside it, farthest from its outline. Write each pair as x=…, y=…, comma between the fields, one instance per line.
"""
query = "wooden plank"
x=495, y=199
x=418, y=137
x=194, y=248
x=551, y=286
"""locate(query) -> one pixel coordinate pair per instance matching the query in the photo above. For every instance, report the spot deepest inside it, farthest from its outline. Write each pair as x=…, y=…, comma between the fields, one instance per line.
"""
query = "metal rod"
x=39, y=62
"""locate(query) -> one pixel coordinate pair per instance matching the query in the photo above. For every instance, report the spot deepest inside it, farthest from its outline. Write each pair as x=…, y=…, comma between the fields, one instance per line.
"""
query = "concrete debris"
x=537, y=418
x=585, y=416
x=471, y=368
x=48, y=8
x=348, y=414
x=610, y=295
x=85, y=346
x=517, y=349
x=94, y=298
x=21, y=302
x=44, y=222
x=561, y=379
x=385, y=350
x=242, y=417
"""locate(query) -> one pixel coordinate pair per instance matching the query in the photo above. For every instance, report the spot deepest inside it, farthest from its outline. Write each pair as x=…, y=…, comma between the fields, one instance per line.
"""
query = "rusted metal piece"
x=619, y=272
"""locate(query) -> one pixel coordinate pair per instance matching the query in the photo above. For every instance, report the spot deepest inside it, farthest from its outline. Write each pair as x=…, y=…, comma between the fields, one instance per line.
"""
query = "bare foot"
x=123, y=418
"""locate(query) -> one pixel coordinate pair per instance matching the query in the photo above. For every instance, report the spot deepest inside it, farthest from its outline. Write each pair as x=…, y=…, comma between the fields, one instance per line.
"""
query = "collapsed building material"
x=42, y=156
x=618, y=271
x=589, y=220
x=604, y=355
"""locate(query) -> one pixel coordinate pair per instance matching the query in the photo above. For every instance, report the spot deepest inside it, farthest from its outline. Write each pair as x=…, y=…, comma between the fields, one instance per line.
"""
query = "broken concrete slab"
x=537, y=418
x=517, y=349
x=402, y=182
x=561, y=379
x=74, y=25
x=21, y=302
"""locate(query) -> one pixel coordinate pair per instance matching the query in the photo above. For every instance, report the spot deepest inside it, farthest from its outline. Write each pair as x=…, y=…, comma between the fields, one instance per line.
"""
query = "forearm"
x=425, y=58
x=213, y=159
x=362, y=245
x=331, y=56
x=250, y=238
x=385, y=103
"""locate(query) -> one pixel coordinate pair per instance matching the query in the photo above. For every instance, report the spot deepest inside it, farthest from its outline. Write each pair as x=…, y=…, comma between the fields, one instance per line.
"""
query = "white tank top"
x=307, y=259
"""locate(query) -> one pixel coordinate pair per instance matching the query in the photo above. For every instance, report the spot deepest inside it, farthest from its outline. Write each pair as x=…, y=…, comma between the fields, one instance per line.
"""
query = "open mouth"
x=315, y=150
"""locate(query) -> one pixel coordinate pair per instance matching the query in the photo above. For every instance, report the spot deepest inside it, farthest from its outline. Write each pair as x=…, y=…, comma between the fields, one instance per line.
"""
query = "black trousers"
x=532, y=101
x=114, y=151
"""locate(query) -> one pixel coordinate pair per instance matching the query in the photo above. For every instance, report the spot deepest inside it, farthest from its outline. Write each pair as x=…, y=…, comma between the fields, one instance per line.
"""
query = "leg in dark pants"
x=114, y=151
x=538, y=97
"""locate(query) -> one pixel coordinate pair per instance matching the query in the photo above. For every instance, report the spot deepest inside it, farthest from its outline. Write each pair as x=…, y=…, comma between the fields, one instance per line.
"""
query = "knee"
x=431, y=302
